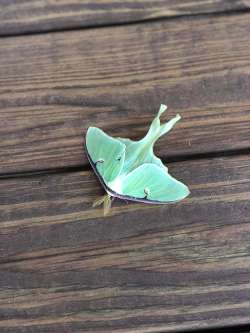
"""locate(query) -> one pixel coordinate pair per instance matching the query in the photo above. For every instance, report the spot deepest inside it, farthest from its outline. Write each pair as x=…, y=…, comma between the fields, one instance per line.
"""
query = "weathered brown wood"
x=53, y=86
x=17, y=17
x=65, y=268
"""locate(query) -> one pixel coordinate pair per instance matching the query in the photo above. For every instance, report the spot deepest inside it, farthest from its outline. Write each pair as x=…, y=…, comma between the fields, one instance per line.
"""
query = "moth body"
x=116, y=184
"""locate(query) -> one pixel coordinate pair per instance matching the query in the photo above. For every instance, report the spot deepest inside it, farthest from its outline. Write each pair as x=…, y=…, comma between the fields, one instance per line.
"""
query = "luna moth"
x=129, y=169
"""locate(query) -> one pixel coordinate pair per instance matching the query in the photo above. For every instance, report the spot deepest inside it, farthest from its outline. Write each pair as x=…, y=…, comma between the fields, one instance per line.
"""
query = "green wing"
x=149, y=157
x=106, y=153
x=152, y=183
x=140, y=152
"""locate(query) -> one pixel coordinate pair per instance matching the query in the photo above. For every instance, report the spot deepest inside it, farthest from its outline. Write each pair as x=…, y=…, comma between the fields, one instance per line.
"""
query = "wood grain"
x=144, y=268
x=53, y=86
x=18, y=17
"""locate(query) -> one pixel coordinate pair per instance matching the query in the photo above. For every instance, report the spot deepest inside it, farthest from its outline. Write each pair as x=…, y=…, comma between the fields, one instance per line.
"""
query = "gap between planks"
x=165, y=160
x=239, y=9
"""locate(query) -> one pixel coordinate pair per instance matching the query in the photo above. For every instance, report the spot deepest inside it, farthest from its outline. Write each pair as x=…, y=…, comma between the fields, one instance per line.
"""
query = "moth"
x=130, y=170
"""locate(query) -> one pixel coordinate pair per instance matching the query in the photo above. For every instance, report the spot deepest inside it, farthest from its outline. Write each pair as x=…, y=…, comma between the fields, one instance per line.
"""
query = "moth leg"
x=106, y=200
x=107, y=204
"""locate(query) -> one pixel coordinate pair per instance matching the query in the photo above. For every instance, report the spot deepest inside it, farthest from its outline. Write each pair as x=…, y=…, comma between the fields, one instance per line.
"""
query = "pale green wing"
x=140, y=152
x=149, y=157
x=106, y=153
x=151, y=183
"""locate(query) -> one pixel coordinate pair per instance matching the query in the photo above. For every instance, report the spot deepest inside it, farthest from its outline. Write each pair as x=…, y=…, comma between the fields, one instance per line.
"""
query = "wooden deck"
x=66, y=65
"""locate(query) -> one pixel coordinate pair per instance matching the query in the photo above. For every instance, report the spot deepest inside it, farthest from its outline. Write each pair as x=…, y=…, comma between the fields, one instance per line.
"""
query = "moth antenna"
x=107, y=204
x=99, y=201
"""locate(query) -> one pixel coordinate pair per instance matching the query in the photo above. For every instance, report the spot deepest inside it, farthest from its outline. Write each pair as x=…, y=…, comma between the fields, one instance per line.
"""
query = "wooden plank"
x=53, y=86
x=17, y=17
x=144, y=268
